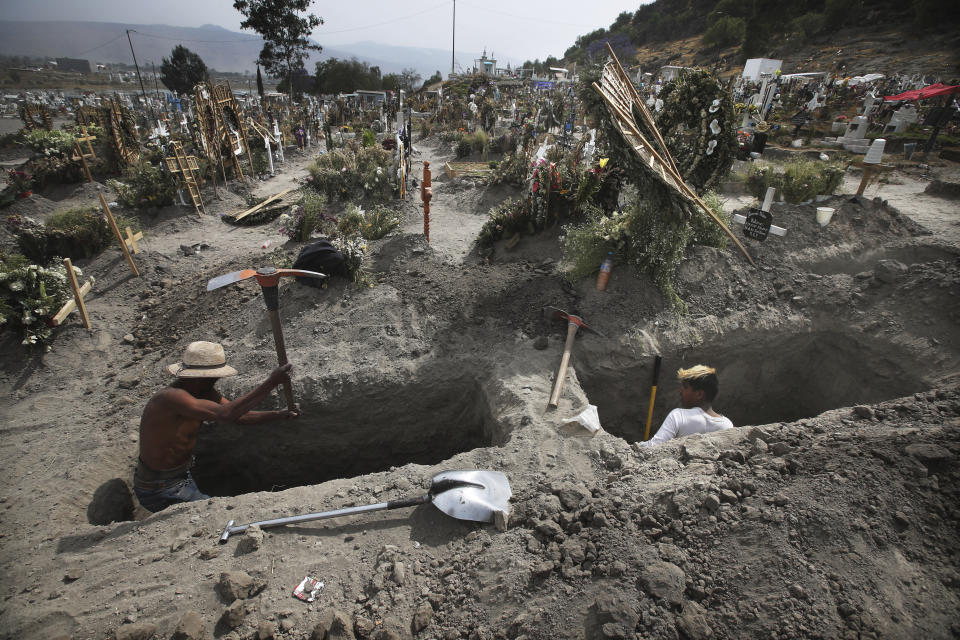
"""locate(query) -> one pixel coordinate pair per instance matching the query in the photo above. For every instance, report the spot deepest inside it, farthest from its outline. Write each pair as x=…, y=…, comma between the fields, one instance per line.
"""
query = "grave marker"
x=132, y=238
x=759, y=224
x=77, y=302
x=116, y=232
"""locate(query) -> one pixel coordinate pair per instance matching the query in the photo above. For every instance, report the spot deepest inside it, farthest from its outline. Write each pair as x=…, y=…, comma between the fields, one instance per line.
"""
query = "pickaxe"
x=573, y=323
x=269, y=279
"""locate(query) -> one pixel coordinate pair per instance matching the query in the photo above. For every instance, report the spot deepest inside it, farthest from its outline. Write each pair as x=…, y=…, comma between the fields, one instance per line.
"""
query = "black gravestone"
x=757, y=224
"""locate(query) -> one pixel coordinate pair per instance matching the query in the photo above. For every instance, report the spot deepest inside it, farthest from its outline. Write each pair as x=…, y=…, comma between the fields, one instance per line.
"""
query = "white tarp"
x=870, y=77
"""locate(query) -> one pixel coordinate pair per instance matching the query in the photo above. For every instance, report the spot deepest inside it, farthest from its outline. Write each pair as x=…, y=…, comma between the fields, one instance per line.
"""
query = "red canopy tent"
x=932, y=91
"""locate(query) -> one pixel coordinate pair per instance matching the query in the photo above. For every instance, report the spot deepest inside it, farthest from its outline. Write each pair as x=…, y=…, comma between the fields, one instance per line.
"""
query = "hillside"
x=808, y=36
x=853, y=51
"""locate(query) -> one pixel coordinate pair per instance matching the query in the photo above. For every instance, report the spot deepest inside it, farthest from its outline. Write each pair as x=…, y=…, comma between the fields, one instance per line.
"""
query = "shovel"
x=464, y=495
x=269, y=280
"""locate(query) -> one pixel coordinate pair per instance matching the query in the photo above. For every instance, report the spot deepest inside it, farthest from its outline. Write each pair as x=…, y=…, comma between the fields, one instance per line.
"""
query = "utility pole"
x=156, y=83
x=453, y=47
x=137, y=66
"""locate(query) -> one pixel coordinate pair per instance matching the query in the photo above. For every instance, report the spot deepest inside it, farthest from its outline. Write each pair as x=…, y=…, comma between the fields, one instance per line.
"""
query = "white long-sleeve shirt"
x=685, y=422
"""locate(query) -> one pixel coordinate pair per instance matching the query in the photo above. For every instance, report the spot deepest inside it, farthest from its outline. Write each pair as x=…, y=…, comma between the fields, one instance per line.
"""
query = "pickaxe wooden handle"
x=564, y=362
x=272, y=298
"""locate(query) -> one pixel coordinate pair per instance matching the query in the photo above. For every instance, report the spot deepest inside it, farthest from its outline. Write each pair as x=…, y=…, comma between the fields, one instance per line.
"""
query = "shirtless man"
x=172, y=419
x=698, y=388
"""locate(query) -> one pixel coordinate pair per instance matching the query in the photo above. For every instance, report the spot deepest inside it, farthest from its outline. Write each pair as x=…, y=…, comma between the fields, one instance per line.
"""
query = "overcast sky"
x=525, y=30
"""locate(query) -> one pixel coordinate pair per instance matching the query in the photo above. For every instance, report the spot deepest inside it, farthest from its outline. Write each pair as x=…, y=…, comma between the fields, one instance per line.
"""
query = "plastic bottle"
x=604, y=276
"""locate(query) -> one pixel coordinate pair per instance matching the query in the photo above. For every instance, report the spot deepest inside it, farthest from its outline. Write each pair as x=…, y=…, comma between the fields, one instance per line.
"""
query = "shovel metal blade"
x=471, y=495
x=230, y=278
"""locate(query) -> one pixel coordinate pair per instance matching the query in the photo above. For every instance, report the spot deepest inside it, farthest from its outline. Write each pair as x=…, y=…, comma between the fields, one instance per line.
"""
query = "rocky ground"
x=831, y=512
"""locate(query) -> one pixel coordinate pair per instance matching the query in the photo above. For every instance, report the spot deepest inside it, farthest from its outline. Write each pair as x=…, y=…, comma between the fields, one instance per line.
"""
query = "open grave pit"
x=365, y=427
x=765, y=376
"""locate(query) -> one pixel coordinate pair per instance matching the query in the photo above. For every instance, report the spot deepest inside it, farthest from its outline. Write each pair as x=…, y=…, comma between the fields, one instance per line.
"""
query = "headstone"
x=902, y=117
x=854, y=138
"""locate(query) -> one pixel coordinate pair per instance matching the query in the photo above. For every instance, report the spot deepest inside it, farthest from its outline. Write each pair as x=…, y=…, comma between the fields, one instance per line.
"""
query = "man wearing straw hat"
x=172, y=419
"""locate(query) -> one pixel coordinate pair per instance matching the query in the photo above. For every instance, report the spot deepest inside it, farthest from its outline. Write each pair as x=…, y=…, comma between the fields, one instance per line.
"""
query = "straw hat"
x=202, y=360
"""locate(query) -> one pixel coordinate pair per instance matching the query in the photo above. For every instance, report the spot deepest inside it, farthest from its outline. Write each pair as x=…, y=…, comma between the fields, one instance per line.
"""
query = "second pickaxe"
x=269, y=279
x=573, y=323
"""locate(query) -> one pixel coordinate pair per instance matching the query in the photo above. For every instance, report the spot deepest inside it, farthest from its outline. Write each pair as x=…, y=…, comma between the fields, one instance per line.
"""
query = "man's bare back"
x=171, y=422
x=167, y=437
x=172, y=419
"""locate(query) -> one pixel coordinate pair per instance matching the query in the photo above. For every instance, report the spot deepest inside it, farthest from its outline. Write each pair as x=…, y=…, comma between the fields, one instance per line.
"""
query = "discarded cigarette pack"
x=308, y=589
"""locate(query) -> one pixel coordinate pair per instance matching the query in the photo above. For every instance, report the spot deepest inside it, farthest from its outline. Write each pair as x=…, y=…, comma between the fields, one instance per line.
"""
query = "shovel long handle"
x=653, y=397
x=230, y=529
x=564, y=363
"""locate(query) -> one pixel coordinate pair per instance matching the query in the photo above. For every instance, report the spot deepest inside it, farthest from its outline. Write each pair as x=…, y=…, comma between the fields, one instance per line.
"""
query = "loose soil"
x=831, y=511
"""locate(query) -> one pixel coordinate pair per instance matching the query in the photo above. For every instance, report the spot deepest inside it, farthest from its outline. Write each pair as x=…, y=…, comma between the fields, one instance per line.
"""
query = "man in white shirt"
x=698, y=388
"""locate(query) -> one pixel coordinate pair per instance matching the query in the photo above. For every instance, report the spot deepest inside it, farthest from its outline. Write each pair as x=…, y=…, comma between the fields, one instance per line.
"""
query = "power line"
x=151, y=35
x=528, y=18
x=97, y=47
x=380, y=24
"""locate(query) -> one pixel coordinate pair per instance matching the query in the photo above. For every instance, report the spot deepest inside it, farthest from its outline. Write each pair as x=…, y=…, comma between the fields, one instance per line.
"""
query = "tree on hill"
x=437, y=77
x=342, y=76
x=410, y=79
x=284, y=31
x=182, y=70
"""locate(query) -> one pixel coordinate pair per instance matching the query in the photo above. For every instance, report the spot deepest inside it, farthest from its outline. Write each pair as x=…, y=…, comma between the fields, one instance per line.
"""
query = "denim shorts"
x=178, y=490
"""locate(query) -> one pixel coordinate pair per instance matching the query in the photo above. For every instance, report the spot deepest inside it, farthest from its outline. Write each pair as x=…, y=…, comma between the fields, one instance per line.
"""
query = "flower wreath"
x=697, y=123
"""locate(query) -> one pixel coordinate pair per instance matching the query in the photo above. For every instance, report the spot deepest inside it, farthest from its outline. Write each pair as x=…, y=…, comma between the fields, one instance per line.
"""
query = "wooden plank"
x=274, y=198
x=78, y=293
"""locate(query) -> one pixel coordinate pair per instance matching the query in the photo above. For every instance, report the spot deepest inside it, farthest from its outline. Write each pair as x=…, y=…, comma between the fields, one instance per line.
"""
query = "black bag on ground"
x=320, y=256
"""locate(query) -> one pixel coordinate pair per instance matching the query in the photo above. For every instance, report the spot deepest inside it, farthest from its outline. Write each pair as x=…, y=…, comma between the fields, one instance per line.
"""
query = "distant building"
x=371, y=98
x=485, y=65
x=73, y=64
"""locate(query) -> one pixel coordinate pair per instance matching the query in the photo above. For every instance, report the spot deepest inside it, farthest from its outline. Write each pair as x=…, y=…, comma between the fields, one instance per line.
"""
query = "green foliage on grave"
x=145, y=185
x=48, y=143
x=799, y=180
x=30, y=294
x=379, y=221
x=81, y=232
x=305, y=218
x=472, y=143
x=648, y=234
x=697, y=123
x=654, y=229
x=353, y=173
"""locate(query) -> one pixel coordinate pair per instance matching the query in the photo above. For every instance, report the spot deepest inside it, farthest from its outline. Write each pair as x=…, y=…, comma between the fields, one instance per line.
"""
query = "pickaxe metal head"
x=266, y=276
x=552, y=313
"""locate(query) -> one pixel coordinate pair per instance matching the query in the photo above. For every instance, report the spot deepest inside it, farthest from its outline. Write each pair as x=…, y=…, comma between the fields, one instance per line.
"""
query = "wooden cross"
x=77, y=302
x=86, y=137
x=869, y=169
x=131, y=240
x=116, y=232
